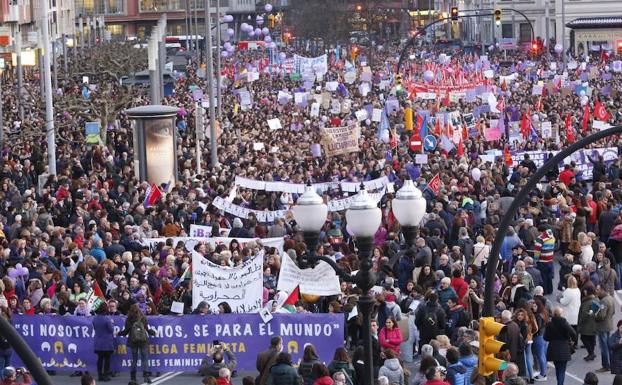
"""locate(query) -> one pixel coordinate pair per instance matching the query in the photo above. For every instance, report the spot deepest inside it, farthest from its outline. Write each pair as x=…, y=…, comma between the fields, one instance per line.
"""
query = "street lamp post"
x=363, y=218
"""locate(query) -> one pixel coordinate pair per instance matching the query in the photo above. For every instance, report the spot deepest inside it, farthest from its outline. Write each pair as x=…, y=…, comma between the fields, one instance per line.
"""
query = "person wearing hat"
x=10, y=376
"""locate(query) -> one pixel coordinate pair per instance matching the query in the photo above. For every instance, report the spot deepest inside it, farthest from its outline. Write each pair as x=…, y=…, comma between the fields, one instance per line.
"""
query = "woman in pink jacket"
x=390, y=336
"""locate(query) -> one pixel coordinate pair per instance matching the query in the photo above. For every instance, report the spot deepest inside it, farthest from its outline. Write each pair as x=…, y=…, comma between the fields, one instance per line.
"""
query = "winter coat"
x=513, y=339
x=391, y=338
x=604, y=317
x=304, y=369
x=209, y=368
x=615, y=352
x=444, y=295
x=346, y=367
x=469, y=363
x=558, y=333
x=456, y=374
x=393, y=371
x=104, y=329
x=587, y=319
x=326, y=380
x=571, y=302
x=264, y=362
x=427, y=331
x=283, y=374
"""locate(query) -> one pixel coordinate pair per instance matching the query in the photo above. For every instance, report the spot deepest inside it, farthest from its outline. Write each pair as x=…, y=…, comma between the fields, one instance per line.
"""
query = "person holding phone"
x=215, y=360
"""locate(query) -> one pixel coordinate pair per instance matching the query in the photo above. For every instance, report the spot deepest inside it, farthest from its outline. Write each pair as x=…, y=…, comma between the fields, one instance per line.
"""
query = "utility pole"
x=65, y=64
x=210, y=84
x=161, y=51
x=152, y=55
x=199, y=128
x=49, y=108
x=187, y=26
x=55, y=64
x=1, y=113
x=20, y=71
x=196, y=33
x=219, y=42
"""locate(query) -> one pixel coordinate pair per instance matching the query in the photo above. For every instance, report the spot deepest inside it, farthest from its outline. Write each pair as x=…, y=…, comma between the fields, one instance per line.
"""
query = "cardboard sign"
x=274, y=124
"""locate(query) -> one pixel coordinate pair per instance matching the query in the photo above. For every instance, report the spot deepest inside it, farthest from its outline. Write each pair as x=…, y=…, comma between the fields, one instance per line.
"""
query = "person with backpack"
x=429, y=319
x=138, y=332
x=587, y=321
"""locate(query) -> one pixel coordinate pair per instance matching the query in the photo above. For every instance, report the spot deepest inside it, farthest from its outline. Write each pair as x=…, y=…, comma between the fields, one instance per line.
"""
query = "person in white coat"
x=570, y=300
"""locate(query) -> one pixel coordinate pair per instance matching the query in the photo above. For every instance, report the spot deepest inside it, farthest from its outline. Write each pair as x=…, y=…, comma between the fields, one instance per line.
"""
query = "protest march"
x=110, y=275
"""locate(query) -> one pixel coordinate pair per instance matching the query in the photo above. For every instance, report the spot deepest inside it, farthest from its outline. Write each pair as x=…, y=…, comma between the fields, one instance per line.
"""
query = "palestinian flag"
x=96, y=297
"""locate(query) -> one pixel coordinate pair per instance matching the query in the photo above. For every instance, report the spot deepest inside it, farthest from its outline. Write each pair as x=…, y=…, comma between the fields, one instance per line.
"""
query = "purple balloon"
x=251, y=33
x=228, y=18
x=282, y=56
x=243, y=27
x=268, y=7
x=231, y=49
x=265, y=31
x=227, y=45
x=224, y=54
x=267, y=39
x=23, y=271
x=259, y=20
x=559, y=48
x=13, y=273
x=428, y=76
x=230, y=32
x=257, y=31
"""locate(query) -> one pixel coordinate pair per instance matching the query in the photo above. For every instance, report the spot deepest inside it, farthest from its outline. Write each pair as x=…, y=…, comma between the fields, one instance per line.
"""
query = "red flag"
x=569, y=129
x=586, y=117
x=98, y=291
x=507, y=156
x=460, y=151
x=293, y=297
x=501, y=105
x=446, y=99
x=437, y=127
x=600, y=112
x=524, y=125
x=152, y=195
x=393, y=142
x=435, y=184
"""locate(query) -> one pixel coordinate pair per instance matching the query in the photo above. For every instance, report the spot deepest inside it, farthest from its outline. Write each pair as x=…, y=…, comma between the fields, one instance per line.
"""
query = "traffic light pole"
x=519, y=199
x=490, y=11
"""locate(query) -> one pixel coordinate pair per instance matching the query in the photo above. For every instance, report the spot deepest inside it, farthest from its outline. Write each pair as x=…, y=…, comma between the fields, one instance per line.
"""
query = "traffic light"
x=354, y=51
x=454, y=13
x=498, y=14
x=536, y=47
x=619, y=47
x=286, y=37
x=489, y=346
x=271, y=21
x=359, y=8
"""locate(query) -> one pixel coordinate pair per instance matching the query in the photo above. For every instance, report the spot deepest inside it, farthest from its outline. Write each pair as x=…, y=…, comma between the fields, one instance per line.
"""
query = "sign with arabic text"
x=241, y=287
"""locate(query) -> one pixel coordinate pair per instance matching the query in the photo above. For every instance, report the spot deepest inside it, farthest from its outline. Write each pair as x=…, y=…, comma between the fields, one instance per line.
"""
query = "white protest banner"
x=537, y=89
x=421, y=158
x=321, y=280
x=616, y=66
x=600, y=125
x=376, y=115
x=191, y=242
x=426, y=95
x=331, y=86
x=245, y=98
x=300, y=97
x=361, y=115
x=341, y=140
x=274, y=124
x=315, y=110
x=350, y=77
x=200, y=231
x=547, y=130
x=318, y=65
x=335, y=107
x=252, y=76
x=241, y=287
x=258, y=146
x=364, y=89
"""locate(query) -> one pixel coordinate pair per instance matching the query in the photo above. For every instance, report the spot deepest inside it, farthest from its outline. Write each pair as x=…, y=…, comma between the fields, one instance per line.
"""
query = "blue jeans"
x=144, y=358
x=529, y=360
x=5, y=360
x=547, y=270
x=539, y=350
x=603, y=339
x=560, y=371
x=619, y=280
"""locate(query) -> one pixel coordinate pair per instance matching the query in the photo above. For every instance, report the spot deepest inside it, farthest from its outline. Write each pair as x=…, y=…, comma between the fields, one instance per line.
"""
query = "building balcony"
x=10, y=12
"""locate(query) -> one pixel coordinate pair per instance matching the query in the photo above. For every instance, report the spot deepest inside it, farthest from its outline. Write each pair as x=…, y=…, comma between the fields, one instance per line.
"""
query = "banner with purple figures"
x=65, y=343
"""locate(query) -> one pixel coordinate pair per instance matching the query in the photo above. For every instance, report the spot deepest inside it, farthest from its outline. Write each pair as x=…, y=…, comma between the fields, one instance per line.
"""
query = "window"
x=507, y=30
x=160, y=5
x=115, y=29
x=525, y=32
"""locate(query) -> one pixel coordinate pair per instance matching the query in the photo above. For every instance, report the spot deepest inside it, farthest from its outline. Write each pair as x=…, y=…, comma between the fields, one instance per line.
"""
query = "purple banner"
x=181, y=342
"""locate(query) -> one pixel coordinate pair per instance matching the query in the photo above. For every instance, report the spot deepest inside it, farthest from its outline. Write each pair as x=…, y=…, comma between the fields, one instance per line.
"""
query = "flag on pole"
x=507, y=157
x=524, y=125
x=460, y=151
x=96, y=297
x=186, y=275
x=435, y=184
x=422, y=125
x=437, y=126
x=569, y=129
x=152, y=195
x=586, y=117
x=293, y=297
x=600, y=112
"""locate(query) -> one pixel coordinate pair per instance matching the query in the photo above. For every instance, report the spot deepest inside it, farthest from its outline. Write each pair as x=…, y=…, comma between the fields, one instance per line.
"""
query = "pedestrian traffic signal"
x=489, y=346
x=454, y=13
x=398, y=82
x=498, y=14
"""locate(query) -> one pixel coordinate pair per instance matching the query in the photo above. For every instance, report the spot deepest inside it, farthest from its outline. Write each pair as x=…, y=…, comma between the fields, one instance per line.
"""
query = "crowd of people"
x=66, y=234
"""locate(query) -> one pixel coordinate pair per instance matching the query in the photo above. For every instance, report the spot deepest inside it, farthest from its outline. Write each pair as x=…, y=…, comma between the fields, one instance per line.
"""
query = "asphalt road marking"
x=568, y=374
x=163, y=378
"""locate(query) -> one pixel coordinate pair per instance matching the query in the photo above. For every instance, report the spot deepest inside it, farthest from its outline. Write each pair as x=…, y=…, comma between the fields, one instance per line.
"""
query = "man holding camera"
x=215, y=360
x=10, y=375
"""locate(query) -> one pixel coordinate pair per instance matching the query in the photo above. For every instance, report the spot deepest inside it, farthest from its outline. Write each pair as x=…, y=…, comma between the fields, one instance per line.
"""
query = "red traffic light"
x=359, y=8
x=454, y=13
x=534, y=46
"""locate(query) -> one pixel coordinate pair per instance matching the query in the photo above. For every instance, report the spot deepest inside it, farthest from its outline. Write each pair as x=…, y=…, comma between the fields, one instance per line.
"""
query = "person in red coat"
x=459, y=285
x=390, y=336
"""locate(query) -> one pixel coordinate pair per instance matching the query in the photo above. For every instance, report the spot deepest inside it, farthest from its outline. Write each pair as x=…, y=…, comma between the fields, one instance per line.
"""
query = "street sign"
x=415, y=142
x=430, y=143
